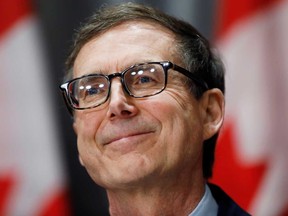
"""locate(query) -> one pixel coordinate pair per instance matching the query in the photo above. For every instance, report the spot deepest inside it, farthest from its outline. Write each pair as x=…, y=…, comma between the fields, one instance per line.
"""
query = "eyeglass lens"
x=145, y=80
x=139, y=81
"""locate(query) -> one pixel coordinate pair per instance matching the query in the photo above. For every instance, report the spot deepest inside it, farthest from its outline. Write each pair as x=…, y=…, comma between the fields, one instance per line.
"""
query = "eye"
x=92, y=90
x=144, y=79
x=144, y=76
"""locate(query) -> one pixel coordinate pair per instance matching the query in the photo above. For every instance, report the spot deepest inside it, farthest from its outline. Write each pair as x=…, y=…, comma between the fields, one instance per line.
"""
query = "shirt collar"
x=207, y=205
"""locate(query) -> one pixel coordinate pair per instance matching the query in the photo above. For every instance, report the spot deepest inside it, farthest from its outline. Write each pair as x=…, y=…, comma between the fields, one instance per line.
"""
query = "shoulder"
x=226, y=205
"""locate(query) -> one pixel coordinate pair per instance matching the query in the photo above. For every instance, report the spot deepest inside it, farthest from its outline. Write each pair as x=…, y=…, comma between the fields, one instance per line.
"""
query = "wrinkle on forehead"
x=130, y=35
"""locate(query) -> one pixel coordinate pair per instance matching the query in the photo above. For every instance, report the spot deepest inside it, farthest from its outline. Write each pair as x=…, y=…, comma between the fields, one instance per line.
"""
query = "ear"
x=213, y=112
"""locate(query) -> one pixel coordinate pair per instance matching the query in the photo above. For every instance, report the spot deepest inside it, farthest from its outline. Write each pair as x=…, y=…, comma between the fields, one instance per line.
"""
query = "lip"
x=126, y=137
x=128, y=131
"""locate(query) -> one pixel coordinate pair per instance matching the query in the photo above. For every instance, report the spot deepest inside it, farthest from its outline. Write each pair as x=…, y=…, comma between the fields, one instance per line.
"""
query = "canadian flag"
x=252, y=153
x=32, y=182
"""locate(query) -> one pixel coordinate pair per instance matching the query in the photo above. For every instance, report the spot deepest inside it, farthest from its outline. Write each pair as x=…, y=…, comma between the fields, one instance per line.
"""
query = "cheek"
x=89, y=152
x=174, y=109
x=181, y=123
x=86, y=125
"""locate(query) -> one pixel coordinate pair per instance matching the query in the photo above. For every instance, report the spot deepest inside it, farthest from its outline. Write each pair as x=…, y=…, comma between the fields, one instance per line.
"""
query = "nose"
x=120, y=103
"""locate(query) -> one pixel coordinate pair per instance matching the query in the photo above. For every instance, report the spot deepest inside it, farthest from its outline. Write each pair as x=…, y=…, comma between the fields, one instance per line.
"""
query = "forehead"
x=126, y=44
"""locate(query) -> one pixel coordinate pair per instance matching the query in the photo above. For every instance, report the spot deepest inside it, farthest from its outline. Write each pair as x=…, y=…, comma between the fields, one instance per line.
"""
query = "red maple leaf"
x=239, y=180
x=6, y=185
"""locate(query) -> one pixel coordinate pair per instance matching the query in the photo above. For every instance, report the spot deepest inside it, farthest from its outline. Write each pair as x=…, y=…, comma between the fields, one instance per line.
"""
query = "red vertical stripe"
x=230, y=12
x=11, y=11
x=6, y=185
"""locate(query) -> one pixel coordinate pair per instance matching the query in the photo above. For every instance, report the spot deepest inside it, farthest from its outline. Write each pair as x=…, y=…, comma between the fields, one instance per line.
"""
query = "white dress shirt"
x=207, y=206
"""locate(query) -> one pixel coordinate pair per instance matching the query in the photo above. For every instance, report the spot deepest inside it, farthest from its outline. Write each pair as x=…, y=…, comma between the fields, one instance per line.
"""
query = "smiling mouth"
x=127, y=138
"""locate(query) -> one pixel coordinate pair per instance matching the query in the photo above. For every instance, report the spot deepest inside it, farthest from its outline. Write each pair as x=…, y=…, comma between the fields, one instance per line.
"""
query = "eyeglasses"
x=140, y=80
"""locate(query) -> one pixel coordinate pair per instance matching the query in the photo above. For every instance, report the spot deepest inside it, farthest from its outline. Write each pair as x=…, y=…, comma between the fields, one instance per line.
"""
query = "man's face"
x=129, y=141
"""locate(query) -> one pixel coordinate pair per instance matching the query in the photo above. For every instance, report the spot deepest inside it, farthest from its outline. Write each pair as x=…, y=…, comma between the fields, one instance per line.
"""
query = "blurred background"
x=39, y=170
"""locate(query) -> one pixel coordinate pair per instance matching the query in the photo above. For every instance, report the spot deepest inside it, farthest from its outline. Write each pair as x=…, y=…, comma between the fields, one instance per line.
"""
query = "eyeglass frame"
x=166, y=65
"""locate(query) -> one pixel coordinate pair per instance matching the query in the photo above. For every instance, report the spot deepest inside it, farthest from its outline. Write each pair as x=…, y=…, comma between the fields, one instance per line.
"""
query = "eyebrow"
x=125, y=66
x=132, y=63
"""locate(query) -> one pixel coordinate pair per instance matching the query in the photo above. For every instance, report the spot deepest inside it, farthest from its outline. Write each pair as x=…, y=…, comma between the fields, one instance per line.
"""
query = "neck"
x=164, y=199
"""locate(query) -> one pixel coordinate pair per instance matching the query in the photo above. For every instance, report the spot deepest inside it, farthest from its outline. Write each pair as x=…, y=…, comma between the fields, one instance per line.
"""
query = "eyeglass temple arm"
x=190, y=75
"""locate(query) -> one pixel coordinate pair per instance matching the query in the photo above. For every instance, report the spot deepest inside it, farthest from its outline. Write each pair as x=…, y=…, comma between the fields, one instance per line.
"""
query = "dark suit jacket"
x=227, y=207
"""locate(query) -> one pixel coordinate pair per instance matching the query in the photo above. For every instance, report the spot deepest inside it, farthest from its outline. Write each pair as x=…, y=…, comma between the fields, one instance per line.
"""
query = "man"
x=146, y=93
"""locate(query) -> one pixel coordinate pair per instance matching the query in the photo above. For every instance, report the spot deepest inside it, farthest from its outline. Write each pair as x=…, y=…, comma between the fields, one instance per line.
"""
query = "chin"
x=128, y=172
